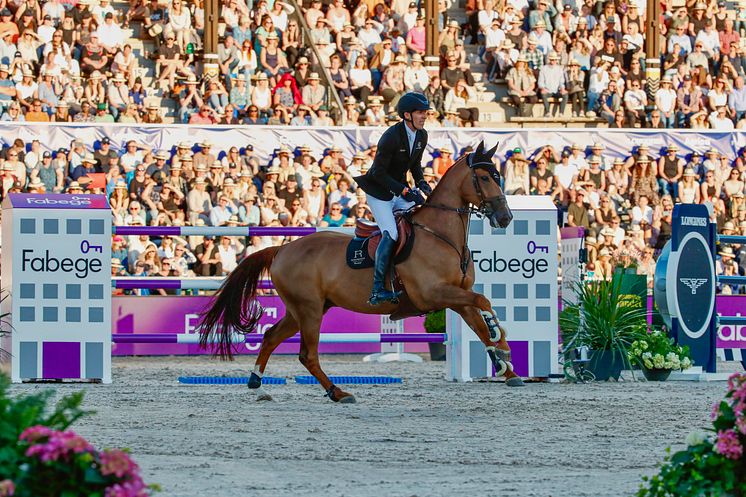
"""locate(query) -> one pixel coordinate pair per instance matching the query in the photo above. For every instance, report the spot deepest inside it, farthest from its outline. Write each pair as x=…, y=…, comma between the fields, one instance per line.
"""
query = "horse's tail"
x=235, y=308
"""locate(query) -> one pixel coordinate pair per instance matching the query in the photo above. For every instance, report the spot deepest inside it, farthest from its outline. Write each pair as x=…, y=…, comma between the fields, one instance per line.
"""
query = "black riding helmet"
x=411, y=102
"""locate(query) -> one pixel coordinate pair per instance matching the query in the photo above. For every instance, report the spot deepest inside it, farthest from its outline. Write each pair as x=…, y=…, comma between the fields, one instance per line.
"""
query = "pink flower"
x=728, y=444
x=59, y=444
x=34, y=433
x=741, y=425
x=134, y=488
x=117, y=462
x=715, y=411
x=7, y=488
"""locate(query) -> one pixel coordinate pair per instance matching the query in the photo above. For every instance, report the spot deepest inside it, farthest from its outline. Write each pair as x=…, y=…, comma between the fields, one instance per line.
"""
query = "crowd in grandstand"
x=624, y=204
x=71, y=61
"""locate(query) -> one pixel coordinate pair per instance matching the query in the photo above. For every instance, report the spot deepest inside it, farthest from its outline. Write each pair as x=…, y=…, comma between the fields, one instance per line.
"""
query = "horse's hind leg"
x=310, y=327
x=278, y=333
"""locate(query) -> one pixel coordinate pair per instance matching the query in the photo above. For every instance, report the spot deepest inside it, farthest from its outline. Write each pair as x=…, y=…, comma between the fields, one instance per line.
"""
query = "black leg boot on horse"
x=384, y=252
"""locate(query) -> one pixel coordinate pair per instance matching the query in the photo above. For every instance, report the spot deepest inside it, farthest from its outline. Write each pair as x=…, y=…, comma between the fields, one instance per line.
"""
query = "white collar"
x=411, y=137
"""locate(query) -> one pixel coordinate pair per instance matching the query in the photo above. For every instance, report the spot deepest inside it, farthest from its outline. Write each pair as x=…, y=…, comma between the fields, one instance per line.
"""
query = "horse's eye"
x=484, y=178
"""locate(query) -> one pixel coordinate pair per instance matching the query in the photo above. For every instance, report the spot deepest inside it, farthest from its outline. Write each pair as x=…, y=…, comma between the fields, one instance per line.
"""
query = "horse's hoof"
x=262, y=396
x=348, y=399
x=515, y=381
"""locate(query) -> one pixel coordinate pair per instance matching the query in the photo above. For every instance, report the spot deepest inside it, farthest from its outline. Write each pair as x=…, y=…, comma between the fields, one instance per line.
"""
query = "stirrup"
x=378, y=298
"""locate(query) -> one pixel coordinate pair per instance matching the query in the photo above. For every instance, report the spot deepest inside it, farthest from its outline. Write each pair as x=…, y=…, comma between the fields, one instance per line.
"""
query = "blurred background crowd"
x=347, y=63
x=625, y=204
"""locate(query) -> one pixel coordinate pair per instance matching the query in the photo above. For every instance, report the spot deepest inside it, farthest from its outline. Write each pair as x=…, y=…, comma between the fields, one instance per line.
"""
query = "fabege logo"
x=693, y=283
x=528, y=267
x=74, y=200
x=81, y=266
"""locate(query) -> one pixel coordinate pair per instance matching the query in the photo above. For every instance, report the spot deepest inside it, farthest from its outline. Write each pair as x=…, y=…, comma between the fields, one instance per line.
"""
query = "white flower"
x=647, y=355
x=686, y=363
x=696, y=438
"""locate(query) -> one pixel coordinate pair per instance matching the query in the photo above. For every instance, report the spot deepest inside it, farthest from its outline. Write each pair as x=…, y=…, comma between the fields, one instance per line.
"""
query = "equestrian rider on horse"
x=400, y=150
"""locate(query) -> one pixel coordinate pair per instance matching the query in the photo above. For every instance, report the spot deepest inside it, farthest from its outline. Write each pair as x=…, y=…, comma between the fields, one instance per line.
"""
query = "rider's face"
x=418, y=118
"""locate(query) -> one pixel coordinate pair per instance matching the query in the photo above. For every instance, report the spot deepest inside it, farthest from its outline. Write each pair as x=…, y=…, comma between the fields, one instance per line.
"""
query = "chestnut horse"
x=311, y=275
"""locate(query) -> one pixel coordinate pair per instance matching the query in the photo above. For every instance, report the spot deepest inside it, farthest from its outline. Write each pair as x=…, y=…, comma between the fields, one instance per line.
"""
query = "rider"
x=400, y=150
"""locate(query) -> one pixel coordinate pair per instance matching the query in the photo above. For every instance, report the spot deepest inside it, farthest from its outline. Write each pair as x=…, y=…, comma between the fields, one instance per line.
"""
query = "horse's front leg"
x=493, y=336
x=476, y=310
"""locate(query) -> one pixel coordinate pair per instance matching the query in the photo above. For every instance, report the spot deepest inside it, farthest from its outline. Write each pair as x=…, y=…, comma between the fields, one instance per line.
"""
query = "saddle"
x=361, y=254
x=361, y=251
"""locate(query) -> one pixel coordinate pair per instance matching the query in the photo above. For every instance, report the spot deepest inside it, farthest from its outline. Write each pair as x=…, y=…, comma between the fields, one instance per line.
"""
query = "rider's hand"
x=413, y=196
x=424, y=187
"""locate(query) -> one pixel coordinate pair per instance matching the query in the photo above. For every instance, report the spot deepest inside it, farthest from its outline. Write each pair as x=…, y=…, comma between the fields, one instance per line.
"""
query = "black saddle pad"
x=357, y=252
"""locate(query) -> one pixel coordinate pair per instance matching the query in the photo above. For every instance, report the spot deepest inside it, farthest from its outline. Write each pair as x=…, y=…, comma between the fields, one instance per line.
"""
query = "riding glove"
x=425, y=187
x=413, y=196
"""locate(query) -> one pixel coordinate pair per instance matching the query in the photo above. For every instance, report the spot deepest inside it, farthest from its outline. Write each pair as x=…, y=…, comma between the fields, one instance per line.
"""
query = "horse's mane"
x=448, y=171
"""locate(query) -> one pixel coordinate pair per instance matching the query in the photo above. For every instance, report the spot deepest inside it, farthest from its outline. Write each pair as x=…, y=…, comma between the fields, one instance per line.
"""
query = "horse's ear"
x=491, y=152
x=479, y=150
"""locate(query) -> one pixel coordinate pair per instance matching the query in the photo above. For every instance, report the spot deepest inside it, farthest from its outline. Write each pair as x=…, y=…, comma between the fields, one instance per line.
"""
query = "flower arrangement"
x=713, y=463
x=657, y=350
x=42, y=457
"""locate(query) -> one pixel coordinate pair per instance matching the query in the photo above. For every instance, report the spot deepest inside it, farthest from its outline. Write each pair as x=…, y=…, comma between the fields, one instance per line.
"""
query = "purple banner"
x=179, y=314
x=57, y=201
x=730, y=336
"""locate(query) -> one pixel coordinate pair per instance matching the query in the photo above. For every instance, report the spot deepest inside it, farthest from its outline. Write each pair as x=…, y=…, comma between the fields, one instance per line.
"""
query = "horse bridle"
x=486, y=208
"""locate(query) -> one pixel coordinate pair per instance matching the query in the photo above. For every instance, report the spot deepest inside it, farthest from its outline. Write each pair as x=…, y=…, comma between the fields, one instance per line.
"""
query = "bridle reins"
x=483, y=210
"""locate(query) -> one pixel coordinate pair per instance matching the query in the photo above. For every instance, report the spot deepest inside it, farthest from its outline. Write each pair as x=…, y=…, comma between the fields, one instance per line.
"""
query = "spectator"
x=552, y=84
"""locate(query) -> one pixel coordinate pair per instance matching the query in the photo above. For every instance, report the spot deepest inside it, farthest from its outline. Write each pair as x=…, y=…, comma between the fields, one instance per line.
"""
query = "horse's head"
x=488, y=195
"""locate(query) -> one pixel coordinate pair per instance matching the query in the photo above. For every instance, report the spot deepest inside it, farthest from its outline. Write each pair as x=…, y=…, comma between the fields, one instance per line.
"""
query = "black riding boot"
x=380, y=294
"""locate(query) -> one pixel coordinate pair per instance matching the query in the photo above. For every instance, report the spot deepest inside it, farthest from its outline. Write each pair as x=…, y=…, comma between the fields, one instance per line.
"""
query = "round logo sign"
x=695, y=285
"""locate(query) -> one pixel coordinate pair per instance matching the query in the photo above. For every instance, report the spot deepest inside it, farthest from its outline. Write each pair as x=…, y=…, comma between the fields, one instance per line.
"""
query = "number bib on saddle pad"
x=361, y=251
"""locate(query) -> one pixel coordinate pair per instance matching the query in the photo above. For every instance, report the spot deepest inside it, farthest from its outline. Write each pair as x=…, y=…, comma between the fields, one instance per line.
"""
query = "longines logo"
x=693, y=283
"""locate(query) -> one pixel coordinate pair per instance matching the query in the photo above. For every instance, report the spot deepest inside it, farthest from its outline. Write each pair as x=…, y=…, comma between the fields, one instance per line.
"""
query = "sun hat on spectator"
x=316, y=173
x=454, y=24
x=199, y=181
x=416, y=57
x=576, y=146
x=726, y=252
x=273, y=36
x=232, y=221
x=36, y=184
x=542, y=24
x=607, y=231
x=729, y=225
x=4, y=68
x=533, y=39
x=451, y=111
x=184, y=145
x=375, y=101
x=507, y=44
x=700, y=6
x=115, y=262
x=516, y=20
x=74, y=185
x=591, y=240
x=428, y=172
x=198, y=167
x=284, y=149
x=359, y=156
x=273, y=170
x=553, y=56
x=216, y=164
x=712, y=151
x=161, y=154
x=205, y=144
x=643, y=160
x=118, y=77
x=432, y=111
x=445, y=150
x=95, y=75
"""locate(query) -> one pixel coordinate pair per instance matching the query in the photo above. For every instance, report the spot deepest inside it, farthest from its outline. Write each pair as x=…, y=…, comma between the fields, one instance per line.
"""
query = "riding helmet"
x=411, y=102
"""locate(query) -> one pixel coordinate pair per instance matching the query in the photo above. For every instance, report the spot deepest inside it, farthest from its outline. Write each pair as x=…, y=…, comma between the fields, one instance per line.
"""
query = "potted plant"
x=658, y=355
x=606, y=321
x=714, y=461
x=435, y=322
